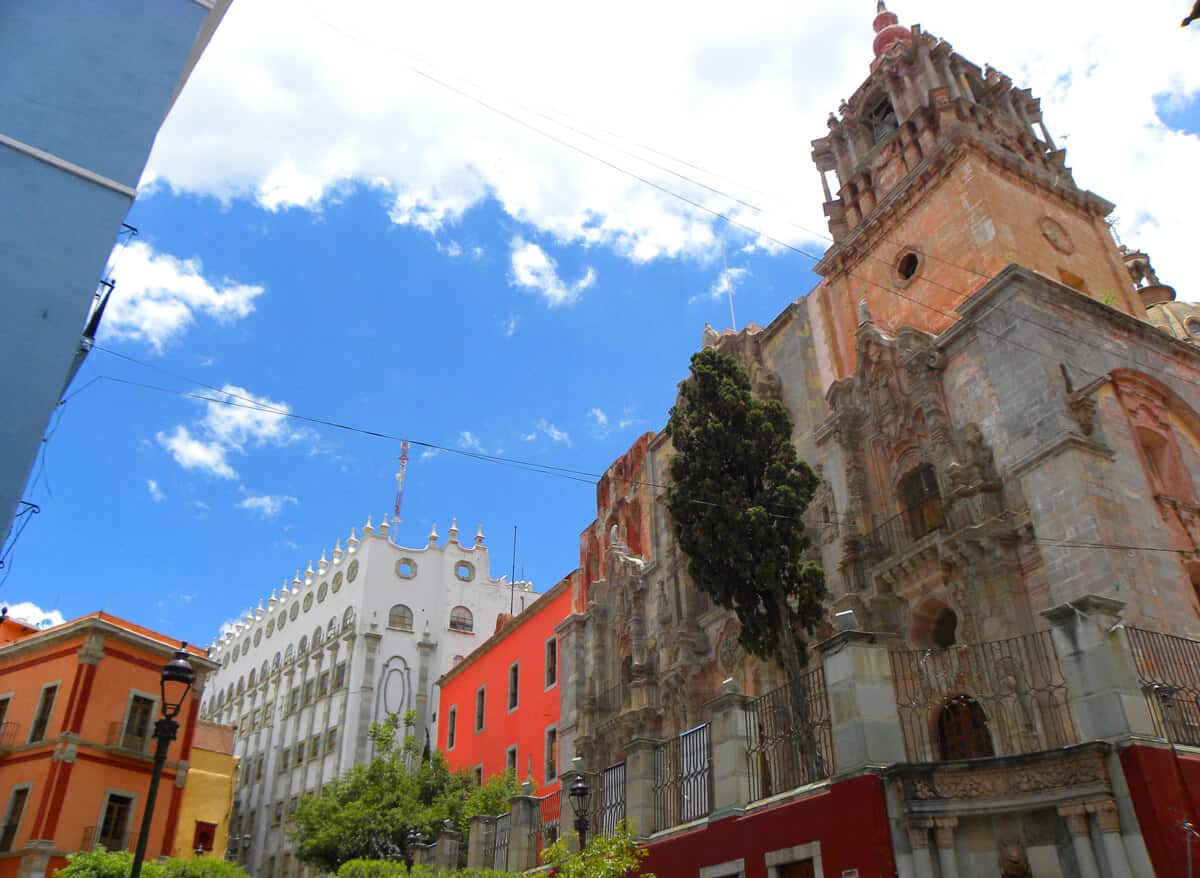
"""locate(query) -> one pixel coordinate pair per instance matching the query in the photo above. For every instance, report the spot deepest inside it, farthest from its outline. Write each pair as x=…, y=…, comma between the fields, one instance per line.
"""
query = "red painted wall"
x=523, y=640
x=849, y=819
x=1165, y=789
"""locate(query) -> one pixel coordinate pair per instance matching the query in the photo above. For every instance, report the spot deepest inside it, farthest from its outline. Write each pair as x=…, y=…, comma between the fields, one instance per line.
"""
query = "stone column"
x=729, y=729
x=918, y=840
x=427, y=646
x=1108, y=819
x=1106, y=697
x=639, y=786
x=478, y=830
x=1081, y=841
x=523, y=830
x=366, y=693
x=862, y=702
x=943, y=828
x=448, y=845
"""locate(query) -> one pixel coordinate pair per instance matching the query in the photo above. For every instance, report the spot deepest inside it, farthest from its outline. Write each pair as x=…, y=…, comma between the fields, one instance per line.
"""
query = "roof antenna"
x=400, y=483
x=728, y=286
x=512, y=579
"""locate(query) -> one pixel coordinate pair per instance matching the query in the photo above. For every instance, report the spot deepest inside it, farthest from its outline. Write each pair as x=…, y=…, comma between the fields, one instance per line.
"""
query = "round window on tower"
x=907, y=266
x=1193, y=327
x=406, y=568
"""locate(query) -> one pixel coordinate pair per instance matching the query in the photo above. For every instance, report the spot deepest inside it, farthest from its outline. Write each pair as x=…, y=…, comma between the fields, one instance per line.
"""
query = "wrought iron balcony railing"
x=789, y=744
x=901, y=531
x=1169, y=670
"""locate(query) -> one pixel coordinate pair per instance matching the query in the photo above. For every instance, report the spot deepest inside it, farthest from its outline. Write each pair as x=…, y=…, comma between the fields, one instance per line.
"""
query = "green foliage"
x=389, y=869
x=368, y=813
x=737, y=494
x=117, y=864
x=614, y=856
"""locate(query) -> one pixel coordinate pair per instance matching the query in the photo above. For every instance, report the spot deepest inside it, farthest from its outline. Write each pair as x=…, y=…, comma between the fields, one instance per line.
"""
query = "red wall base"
x=849, y=819
x=1165, y=788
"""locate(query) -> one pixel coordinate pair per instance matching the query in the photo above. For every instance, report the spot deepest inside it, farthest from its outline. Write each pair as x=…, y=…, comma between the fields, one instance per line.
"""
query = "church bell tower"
x=937, y=174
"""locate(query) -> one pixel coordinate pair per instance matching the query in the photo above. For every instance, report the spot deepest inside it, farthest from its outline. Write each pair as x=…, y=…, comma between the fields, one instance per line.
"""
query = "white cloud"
x=158, y=296
x=509, y=327
x=430, y=453
x=32, y=614
x=293, y=101
x=534, y=269
x=547, y=429
x=453, y=249
x=599, y=420
x=202, y=509
x=156, y=493
x=266, y=505
x=469, y=441
x=252, y=421
x=726, y=283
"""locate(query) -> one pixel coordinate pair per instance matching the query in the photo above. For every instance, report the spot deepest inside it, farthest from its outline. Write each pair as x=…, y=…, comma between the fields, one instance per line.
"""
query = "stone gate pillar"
x=862, y=702
x=729, y=728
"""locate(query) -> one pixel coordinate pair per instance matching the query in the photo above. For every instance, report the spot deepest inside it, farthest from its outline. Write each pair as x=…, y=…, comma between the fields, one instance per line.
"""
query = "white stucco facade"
x=364, y=632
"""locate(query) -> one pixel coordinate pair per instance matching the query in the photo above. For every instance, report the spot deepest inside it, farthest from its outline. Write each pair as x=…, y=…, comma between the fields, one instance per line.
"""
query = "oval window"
x=294, y=612
x=464, y=571
x=258, y=637
x=352, y=571
x=337, y=582
x=270, y=628
x=308, y=602
x=907, y=266
x=406, y=568
x=1193, y=327
x=323, y=591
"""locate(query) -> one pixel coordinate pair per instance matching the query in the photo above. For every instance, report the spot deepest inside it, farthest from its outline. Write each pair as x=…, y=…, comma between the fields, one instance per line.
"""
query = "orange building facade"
x=499, y=706
x=78, y=703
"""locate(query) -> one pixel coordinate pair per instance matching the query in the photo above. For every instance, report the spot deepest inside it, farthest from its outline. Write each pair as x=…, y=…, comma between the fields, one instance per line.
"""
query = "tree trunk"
x=812, y=765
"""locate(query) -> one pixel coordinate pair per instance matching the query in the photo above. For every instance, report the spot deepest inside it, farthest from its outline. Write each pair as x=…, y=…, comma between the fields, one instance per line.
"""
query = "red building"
x=499, y=706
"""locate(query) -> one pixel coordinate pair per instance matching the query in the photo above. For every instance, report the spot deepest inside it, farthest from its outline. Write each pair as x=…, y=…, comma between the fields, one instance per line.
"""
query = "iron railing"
x=1000, y=698
x=500, y=850
x=120, y=735
x=902, y=530
x=789, y=745
x=549, y=815
x=8, y=734
x=1168, y=668
x=609, y=795
x=683, y=778
x=94, y=838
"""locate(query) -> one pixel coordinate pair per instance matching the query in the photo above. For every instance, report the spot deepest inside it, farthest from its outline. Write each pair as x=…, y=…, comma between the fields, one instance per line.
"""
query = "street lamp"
x=581, y=798
x=176, y=682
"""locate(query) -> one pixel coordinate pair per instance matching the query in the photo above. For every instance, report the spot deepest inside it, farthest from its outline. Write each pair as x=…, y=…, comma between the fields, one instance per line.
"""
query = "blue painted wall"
x=88, y=81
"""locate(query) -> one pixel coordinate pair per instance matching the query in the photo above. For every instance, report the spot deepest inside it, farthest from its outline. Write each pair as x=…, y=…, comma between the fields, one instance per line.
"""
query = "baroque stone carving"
x=1008, y=778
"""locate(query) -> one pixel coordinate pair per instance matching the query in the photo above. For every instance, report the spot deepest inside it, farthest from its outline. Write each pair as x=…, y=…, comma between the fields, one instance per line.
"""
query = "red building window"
x=962, y=729
x=204, y=836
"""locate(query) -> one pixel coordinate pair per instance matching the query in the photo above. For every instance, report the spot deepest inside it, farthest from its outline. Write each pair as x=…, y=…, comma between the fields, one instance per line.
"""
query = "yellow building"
x=207, y=794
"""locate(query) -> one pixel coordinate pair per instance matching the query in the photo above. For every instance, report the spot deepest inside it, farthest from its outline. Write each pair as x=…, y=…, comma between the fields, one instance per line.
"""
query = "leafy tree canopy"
x=737, y=494
x=369, y=812
x=614, y=856
x=117, y=864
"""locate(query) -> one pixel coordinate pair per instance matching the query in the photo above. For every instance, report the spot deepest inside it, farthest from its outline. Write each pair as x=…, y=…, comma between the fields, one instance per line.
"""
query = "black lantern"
x=581, y=800
x=176, y=681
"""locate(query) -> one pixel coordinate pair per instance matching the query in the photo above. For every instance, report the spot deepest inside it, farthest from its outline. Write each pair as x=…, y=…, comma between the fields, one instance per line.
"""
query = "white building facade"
x=365, y=633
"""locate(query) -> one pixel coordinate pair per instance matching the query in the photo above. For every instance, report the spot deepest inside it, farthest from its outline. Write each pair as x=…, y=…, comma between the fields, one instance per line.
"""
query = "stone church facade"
x=1001, y=404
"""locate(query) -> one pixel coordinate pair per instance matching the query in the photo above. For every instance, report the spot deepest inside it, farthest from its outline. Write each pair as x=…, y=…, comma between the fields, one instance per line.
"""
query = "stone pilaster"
x=366, y=693
x=1106, y=697
x=918, y=840
x=35, y=861
x=572, y=682
x=729, y=729
x=943, y=830
x=862, y=702
x=427, y=647
x=523, y=831
x=639, y=786
x=1108, y=819
x=1081, y=841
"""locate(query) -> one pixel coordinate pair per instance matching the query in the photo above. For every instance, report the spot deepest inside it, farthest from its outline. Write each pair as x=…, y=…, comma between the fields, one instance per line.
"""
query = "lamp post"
x=176, y=681
x=581, y=798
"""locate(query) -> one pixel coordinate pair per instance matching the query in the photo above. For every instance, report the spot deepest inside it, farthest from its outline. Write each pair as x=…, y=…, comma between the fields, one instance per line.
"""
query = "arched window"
x=400, y=617
x=289, y=653
x=962, y=730
x=462, y=620
x=922, y=501
x=275, y=662
x=252, y=679
x=303, y=648
x=348, y=617
x=316, y=638
x=882, y=119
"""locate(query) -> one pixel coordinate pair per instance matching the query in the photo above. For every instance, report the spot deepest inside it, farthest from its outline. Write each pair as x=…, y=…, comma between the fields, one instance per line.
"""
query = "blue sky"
x=356, y=244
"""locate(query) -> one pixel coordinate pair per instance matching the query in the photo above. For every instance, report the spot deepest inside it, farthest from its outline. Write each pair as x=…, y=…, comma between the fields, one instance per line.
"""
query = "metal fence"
x=8, y=734
x=999, y=698
x=902, y=530
x=609, y=798
x=120, y=735
x=789, y=744
x=500, y=852
x=683, y=778
x=1169, y=670
x=549, y=815
x=94, y=838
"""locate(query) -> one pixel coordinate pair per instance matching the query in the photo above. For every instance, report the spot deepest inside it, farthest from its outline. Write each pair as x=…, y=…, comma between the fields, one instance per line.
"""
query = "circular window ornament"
x=1056, y=235
x=308, y=602
x=352, y=571
x=294, y=611
x=464, y=570
x=1193, y=327
x=322, y=592
x=908, y=265
x=337, y=582
x=406, y=568
x=258, y=637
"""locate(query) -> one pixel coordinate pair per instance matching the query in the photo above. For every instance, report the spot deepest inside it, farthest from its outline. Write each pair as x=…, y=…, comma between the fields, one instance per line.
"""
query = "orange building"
x=78, y=703
x=499, y=706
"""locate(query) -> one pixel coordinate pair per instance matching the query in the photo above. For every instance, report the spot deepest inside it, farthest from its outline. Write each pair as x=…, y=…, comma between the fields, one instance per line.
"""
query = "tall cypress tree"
x=737, y=494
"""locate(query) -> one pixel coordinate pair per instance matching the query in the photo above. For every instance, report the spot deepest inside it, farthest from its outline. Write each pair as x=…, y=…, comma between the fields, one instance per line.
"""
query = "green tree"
x=613, y=856
x=117, y=864
x=369, y=812
x=737, y=494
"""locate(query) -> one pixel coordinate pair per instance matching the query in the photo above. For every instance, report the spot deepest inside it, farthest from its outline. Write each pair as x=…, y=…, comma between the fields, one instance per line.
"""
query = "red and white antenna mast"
x=400, y=483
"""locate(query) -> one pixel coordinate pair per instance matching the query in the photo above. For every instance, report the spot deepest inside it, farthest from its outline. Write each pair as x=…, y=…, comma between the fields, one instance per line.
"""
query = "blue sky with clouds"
x=345, y=239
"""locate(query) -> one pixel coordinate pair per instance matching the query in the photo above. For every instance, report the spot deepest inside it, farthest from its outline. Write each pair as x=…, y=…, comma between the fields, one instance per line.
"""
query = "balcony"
x=93, y=839
x=789, y=745
x=902, y=531
x=124, y=738
x=9, y=735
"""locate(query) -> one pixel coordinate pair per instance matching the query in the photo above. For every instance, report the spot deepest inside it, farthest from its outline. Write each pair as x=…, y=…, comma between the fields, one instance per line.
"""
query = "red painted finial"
x=888, y=32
